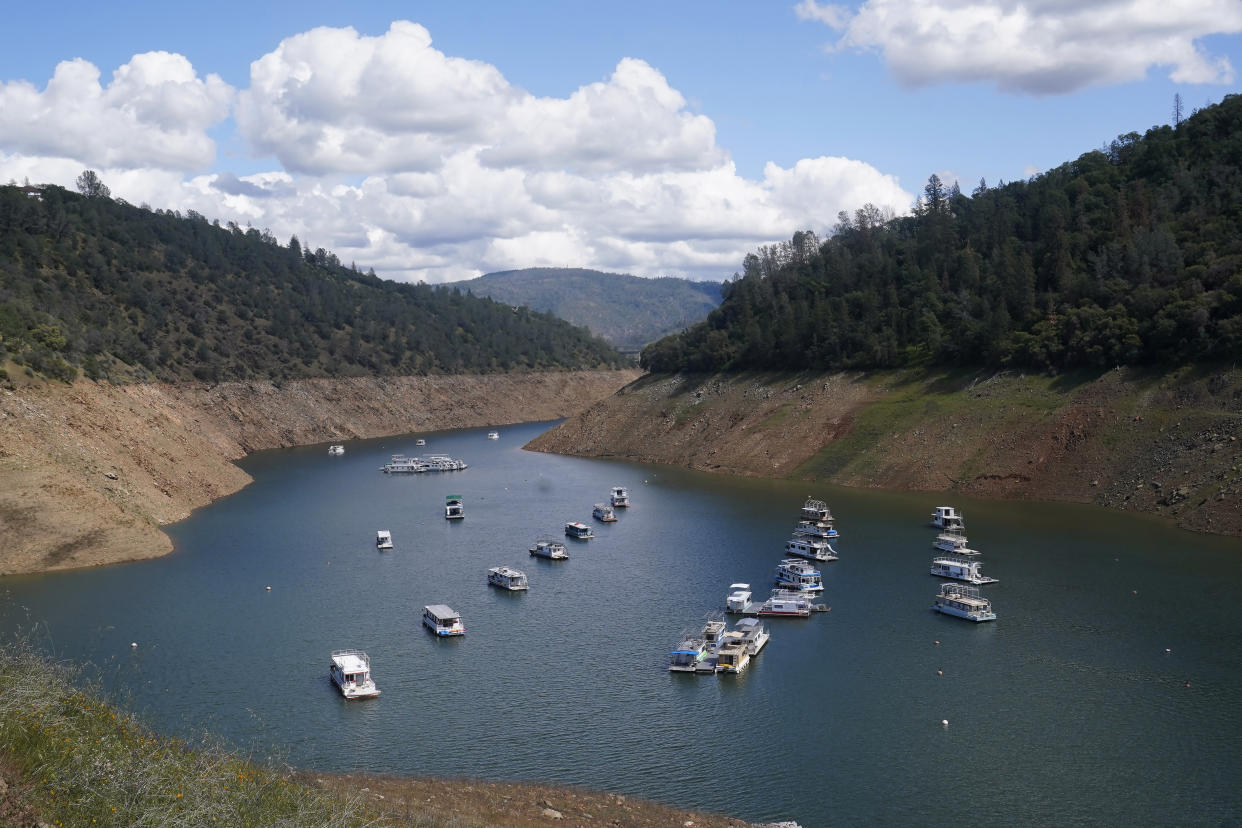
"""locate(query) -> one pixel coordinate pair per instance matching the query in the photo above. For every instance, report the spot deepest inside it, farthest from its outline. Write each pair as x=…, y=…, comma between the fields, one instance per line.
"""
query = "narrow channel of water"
x=1108, y=692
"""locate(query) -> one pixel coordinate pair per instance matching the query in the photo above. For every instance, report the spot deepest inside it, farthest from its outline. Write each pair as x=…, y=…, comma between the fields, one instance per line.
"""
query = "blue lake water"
x=1072, y=708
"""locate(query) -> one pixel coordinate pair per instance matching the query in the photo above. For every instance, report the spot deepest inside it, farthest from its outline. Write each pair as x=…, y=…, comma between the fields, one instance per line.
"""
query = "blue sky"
x=653, y=138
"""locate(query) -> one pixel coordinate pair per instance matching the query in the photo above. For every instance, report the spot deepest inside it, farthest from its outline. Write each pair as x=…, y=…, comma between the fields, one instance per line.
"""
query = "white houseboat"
x=578, y=530
x=799, y=576
x=552, y=550
x=442, y=462
x=786, y=604
x=604, y=512
x=738, y=599
x=962, y=569
x=420, y=442
x=619, y=497
x=816, y=529
x=336, y=449
x=686, y=658
x=493, y=435
x=400, y=464
x=508, y=578
x=754, y=634
x=383, y=539
x=946, y=517
x=351, y=672
x=732, y=655
x=442, y=620
x=815, y=549
x=953, y=541
x=454, y=507
x=816, y=519
x=964, y=602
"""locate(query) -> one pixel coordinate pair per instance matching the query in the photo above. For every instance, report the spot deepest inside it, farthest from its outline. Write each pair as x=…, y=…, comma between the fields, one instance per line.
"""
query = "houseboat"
x=400, y=464
x=508, y=578
x=815, y=549
x=351, y=673
x=754, y=634
x=442, y=620
x=454, y=508
x=493, y=435
x=964, y=602
x=816, y=511
x=619, y=497
x=552, y=550
x=336, y=449
x=786, y=604
x=604, y=512
x=686, y=658
x=816, y=529
x=578, y=530
x=383, y=539
x=946, y=517
x=420, y=442
x=954, y=541
x=442, y=462
x=799, y=576
x=713, y=628
x=961, y=569
x=732, y=655
x=738, y=599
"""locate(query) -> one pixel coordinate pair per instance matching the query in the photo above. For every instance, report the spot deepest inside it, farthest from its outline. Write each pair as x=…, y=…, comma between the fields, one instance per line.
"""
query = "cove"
x=1073, y=707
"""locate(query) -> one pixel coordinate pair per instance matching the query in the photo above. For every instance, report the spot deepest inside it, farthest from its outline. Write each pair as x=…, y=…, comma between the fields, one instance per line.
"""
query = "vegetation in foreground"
x=1129, y=255
x=69, y=759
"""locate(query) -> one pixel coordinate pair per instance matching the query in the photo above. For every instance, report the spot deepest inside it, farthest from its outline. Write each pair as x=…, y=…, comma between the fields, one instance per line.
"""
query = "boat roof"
x=507, y=570
x=351, y=661
x=577, y=524
x=383, y=533
x=739, y=586
x=441, y=611
x=747, y=623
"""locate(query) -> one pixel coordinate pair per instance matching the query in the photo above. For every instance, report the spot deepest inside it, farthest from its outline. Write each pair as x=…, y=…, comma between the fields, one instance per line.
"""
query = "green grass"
x=83, y=763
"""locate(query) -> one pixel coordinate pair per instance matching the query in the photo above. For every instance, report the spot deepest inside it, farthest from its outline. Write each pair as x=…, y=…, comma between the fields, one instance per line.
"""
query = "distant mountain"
x=627, y=311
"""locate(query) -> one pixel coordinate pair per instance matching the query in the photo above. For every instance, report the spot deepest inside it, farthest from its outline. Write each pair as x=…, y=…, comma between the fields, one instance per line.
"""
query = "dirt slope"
x=1168, y=444
x=89, y=473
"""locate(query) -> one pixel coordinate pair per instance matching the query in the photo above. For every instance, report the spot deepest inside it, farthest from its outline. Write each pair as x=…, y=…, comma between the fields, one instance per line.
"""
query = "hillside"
x=627, y=311
x=1159, y=443
x=1126, y=256
x=122, y=292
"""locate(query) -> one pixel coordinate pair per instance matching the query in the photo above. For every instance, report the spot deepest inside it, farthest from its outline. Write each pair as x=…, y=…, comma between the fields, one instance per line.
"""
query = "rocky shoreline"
x=90, y=472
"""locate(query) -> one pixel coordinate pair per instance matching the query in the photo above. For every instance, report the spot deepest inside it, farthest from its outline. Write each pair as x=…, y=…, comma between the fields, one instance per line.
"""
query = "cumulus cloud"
x=154, y=113
x=427, y=166
x=1038, y=47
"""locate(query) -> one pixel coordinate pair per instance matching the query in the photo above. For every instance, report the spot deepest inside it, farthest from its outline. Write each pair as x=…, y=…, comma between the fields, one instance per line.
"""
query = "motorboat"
x=454, y=508
x=508, y=578
x=619, y=497
x=383, y=539
x=420, y=442
x=442, y=620
x=336, y=449
x=578, y=530
x=351, y=673
x=964, y=602
x=961, y=569
x=603, y=512
x=493, y=435
x=799, y=576
x=550, y=549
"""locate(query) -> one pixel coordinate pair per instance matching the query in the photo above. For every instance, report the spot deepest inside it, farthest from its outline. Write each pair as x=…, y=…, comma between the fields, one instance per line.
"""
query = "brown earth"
x=89, y=472
x=1168, y=444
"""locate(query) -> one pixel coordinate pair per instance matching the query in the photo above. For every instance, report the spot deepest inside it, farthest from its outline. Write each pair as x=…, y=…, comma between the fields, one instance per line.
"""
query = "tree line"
x=1129, y=255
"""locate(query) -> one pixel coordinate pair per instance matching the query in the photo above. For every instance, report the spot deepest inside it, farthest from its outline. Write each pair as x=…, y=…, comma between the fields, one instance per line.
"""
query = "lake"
x=1108, y=692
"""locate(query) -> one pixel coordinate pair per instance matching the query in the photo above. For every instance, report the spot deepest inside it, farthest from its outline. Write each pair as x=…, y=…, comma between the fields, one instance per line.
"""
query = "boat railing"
x=960, y=591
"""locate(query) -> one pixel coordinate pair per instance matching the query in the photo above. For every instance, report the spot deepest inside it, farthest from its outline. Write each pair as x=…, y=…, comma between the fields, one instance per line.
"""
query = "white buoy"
x=1167, y=650
x=940, y=672
x=133, y=643
x=269, y=589
x=944, y=722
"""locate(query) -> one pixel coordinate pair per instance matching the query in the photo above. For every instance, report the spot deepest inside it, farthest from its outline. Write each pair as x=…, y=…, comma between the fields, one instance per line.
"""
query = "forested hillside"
x=95, y=284
x=1129, y=255
x=628, y=311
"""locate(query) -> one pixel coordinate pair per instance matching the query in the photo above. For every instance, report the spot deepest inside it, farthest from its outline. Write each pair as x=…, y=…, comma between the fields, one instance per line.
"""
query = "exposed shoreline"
x=90, y=472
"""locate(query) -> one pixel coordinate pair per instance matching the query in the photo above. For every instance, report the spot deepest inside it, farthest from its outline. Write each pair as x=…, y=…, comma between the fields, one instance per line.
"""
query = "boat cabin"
x=581, y=531
x=383, y=539
x=454, y=508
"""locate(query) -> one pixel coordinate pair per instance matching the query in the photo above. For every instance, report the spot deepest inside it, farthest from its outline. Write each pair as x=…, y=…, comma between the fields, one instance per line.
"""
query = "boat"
x=420, y=442
x=964, y=602
x=816, y=511
x=442, y=620
x=815, y=549
x=962, y=569
x=954, y=541
x=507, y=578
x=578, y=530
x=336, y=449
x=351, y=672
x=799, y=576
x=383, y=539
x=732, y=655
x=816, y=519
x=603, y=511
x=786, y=604
x=493, y=435
x=816, y=529
x=442, y=462
x=946, y=517
x=552, y=550
x=400, y=464
x=454, y=508
x=754, y=634
x=739, y=599
x=685, y=659
x=619, y=497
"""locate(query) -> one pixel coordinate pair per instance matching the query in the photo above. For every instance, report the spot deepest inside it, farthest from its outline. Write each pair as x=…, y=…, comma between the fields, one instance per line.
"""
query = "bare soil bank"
x=89, y=472
x=1168, y=444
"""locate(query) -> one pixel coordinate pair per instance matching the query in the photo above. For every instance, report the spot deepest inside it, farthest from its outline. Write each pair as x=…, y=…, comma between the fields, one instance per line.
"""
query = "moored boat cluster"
x=959, y=563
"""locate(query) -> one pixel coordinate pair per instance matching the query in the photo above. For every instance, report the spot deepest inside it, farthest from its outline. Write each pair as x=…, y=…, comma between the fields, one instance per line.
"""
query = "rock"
x=110, y=475
x=4, y=786
x=551, y=813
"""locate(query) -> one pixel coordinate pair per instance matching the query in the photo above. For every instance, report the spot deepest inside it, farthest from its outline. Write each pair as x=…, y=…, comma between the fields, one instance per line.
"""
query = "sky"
x=436, y=141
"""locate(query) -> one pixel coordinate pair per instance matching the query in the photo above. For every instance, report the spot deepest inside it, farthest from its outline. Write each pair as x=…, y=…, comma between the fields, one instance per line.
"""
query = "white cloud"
x=426, y=166
x=1038, y=47
x=155, y=113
